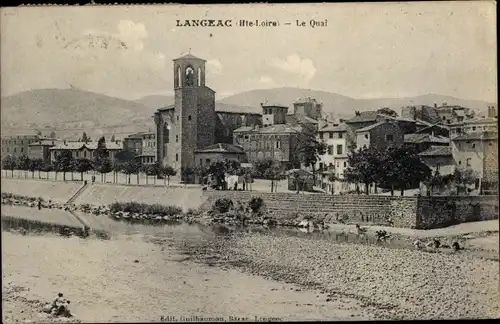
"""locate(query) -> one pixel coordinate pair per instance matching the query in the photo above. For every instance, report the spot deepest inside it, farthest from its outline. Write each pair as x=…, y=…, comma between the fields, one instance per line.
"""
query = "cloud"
x=267, y=81
x=303, y=67
x=132, y=33
x=214, y=67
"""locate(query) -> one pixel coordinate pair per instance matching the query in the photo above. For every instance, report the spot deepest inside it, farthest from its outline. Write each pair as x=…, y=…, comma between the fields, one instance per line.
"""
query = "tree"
x=463, y=177
x=23, y=163
x=39, y=133
x=274, y=172
x=84, y=138
x=151, y=170
x=364, y=167
x=112, y=138
x=187, y=173
x=63, y=163
x=104, y=167
x=260, y=167
x=402, y=167
x=125, y=156
x=35, y=165
x=52, y=134
x=82, y=165
x=388, y=111
x=131, y=167
x=167, y=171
x=310, y=148
x=332, y=178
x=9, y=163
x=101, y=161
x=202, y=171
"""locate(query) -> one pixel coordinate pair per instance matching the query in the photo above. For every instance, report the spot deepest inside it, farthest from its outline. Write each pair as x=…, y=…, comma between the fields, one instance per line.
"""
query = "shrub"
x=256, y=204
x=222, y=205
x=155, y=209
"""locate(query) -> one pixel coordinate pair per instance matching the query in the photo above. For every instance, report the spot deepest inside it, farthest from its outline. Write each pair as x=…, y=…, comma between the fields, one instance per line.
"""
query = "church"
x=195, y=121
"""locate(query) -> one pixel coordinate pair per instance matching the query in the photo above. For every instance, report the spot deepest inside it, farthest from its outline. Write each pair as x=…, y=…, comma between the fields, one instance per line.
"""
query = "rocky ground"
x=389, y=283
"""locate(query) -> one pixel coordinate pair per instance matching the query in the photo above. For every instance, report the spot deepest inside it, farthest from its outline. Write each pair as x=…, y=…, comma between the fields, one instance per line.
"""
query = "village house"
x=421, y=113
x=41, y=149
x=133, y=143
x=453, y=114
x=479, y=152
x=439, y=158
x=148, y=145
x=422, y=141
x=85, y=149
x=434, y=130
x=380, y=136
x=17, y=145
x=487, y=124
x=220, y=152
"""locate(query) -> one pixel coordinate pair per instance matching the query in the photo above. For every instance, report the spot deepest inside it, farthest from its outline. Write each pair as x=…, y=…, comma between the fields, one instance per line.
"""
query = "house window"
x=345, y=164
x=444, y=117
x=22, y=149
x=189, y=117
x=331, y=135
x=177, y=117
x=389, y=137
x=366, y=136
x=176, y=157
x=473, y=145
x=339, y=149
x=490, y=144
x=468, y=162
x=321, y=166
x=476, y=184
x=438, y=166
x=330, y=149
x=341, y=135
x=330, y=165
x=14, y=150
x=322, y=135
x=459, y=162
x=84, y=154
x=176, y=138
x=338, y=165
x=473, y=128
x=278, y=144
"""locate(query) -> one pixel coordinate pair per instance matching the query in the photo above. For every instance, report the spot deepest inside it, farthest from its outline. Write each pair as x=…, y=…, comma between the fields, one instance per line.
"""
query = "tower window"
x=177, y=117
x=176, y=138
x=176, y=157
x=189, y=117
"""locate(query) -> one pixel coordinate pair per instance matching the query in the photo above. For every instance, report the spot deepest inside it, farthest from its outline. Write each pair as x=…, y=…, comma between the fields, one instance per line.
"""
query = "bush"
x=8, y=195
x=222, y=205
x=155, y=209
x=256, y=204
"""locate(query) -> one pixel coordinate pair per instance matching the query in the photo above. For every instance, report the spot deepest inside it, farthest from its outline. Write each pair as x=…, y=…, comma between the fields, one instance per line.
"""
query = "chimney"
x=341, y=120
x=435, y=105
x=64, y=142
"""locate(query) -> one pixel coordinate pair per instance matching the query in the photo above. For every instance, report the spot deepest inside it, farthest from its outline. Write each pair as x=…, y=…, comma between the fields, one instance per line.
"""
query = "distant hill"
x=155, y=101
x=342, y=106
x=70, y=112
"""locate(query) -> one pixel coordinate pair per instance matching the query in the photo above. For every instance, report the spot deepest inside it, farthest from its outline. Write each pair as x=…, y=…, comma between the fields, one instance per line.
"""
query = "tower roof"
x=189, y=57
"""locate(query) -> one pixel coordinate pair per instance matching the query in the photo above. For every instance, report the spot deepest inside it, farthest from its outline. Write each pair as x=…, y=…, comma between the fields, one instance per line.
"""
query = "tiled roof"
x=367, y=128
x=189, y=56
x=89, y=145
x=243, y=129
x=335, y=128
x=481, y=120
x=45, y=142
x=305, y=100
x=221, y=148
x=166, y=107
x=425, y=138
x=300, y=119
x=364, y=116
x=274, y=104
x=477, y=136
x=437, y=151
x=236, y=109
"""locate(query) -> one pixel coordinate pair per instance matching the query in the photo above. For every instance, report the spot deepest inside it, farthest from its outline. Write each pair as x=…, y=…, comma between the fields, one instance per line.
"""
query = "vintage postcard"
x=249, y=163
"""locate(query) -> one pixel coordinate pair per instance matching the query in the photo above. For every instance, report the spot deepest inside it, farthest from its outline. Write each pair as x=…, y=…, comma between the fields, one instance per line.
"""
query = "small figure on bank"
x=39, y=204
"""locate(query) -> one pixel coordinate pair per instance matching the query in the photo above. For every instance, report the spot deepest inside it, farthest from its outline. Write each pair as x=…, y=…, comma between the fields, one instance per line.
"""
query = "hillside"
x=342, y=106
x=70, y=112
x=155, y=101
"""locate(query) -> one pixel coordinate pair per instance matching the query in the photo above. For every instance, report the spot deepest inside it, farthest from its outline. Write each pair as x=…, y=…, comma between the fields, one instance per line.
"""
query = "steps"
x=73, y=198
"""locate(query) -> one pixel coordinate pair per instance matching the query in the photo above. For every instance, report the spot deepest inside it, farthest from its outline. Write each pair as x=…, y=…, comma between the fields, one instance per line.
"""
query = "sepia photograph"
x=249, y=162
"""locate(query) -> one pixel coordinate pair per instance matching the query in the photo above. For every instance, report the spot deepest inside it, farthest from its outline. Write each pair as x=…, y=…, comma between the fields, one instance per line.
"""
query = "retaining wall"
x=57, y=191
x=105, y=194
x=407, y=212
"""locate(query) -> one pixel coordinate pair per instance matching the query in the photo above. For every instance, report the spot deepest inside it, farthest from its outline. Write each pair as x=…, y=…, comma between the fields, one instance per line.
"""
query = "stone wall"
x=435, y=212
x=406, y=212
x=353, y=208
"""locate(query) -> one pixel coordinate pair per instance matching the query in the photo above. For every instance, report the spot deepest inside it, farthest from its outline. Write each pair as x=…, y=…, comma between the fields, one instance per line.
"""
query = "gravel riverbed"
x=390, y=283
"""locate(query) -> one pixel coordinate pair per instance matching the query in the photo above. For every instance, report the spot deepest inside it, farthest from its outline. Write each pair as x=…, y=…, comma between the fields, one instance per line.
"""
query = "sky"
x=367, y=50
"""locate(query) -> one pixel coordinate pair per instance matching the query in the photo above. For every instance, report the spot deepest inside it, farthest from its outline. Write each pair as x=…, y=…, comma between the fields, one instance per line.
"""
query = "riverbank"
x=106, y=284
x=395, y=284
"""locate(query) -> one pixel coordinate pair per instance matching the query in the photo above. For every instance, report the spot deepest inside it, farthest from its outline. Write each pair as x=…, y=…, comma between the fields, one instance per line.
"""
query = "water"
x=104, y=227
